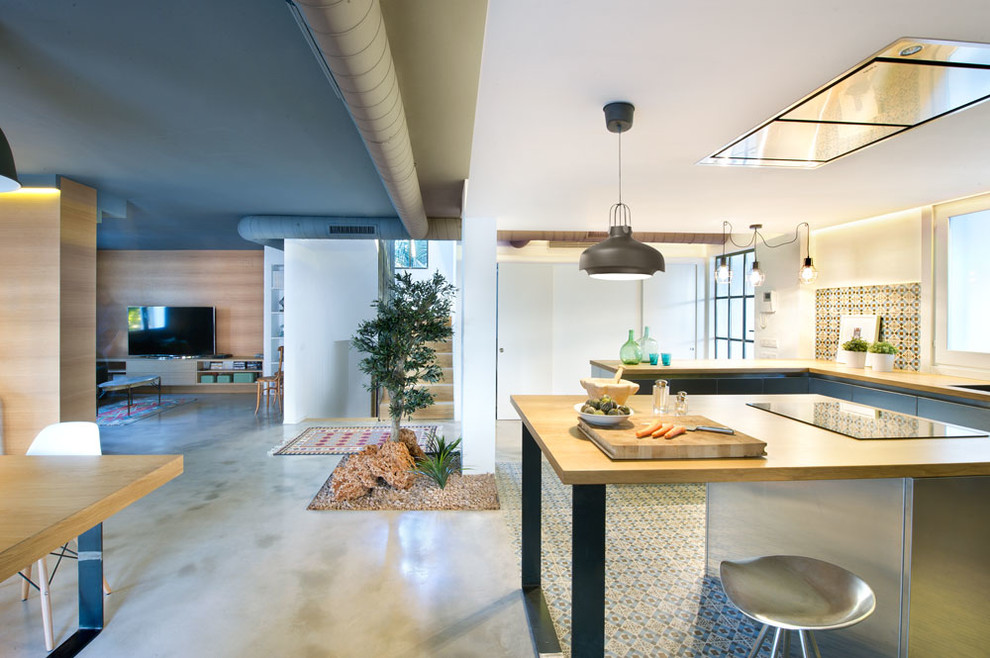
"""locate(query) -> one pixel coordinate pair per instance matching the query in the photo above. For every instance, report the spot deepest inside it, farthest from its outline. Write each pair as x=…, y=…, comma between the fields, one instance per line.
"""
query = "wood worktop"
x=795, y=451
x=905, y=379
x=46, y=501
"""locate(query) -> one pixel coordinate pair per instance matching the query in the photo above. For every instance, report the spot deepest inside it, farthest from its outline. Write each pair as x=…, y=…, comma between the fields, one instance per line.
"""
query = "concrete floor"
x=227, y=561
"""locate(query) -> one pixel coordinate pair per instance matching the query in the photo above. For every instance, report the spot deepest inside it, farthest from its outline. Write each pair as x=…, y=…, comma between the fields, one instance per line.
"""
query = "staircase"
x=443, y=390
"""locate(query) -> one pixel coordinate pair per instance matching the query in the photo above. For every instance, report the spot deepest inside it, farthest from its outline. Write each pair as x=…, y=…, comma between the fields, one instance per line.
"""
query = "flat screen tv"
x=171, y=330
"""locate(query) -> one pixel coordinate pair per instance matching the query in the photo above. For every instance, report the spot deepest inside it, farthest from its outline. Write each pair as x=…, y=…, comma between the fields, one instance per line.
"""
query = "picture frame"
x=866, y=327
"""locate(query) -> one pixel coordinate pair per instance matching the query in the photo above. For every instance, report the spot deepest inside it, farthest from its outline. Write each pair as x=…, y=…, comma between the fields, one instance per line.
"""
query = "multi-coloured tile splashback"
x=898, y=306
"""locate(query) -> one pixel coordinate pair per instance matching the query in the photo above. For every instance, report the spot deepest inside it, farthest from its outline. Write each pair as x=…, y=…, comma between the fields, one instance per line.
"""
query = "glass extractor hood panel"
x=904, y=85
x=808, y=142
x=896, y=93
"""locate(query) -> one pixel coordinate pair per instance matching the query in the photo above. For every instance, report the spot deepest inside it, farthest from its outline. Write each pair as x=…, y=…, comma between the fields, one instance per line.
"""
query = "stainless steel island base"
x=919, y=542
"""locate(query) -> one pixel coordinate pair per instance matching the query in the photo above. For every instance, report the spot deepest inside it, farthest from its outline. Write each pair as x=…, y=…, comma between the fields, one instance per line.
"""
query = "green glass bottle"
x=630, y=352
x=648, y=344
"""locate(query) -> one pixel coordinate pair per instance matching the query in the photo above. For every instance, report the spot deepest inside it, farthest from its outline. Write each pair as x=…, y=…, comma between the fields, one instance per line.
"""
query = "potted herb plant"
x=881, y=355
x=398, y=340
x=855, y=352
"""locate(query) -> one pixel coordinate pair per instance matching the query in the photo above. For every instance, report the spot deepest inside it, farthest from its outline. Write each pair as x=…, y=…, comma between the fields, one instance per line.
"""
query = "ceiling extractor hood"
x=907, y=84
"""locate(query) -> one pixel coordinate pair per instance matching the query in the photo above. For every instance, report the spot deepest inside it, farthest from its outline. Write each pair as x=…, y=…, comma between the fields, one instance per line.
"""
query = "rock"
x=408, y=438
x=393, y=463
x=355, y=478
x=361, y=473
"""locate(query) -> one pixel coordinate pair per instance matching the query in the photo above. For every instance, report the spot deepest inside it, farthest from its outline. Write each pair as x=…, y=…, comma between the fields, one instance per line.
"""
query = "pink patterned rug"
x=115, y=413
x=346, y=440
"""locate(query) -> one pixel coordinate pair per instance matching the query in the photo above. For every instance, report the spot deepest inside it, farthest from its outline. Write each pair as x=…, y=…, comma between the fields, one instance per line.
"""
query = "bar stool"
x=794, y=593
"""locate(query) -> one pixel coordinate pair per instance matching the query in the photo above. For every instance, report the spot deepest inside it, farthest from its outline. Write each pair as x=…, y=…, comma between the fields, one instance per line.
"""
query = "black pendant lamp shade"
x=8, y=173
x=620, y=257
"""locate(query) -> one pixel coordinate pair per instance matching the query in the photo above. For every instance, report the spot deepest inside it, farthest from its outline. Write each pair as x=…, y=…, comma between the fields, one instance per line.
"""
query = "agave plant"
x=439, y=463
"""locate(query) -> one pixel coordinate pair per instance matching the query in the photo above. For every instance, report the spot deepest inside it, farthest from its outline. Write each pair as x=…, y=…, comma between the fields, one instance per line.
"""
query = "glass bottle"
x=630, y=352
x=649, y=345
x=681, y=406
x=660, y=392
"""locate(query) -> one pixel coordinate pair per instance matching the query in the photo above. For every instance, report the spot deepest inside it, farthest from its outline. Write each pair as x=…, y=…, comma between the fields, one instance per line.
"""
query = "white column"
x=478, y=291
x=329, y=287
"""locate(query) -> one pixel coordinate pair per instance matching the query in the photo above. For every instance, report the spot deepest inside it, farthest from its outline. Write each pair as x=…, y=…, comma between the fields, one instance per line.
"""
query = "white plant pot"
x=856, y=359
x=881, y=362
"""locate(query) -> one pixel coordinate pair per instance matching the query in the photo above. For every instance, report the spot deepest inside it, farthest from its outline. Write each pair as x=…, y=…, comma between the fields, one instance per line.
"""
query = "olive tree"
x=397, y=340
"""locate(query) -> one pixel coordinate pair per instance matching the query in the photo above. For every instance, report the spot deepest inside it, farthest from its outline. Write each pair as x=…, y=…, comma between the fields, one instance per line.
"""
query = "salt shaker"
x=660, y=392
x=681, y=406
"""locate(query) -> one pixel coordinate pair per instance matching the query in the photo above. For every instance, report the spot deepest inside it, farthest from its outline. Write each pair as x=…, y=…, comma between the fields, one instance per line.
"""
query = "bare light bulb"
x=756, y=275
x=808, y=273
x=722, y=273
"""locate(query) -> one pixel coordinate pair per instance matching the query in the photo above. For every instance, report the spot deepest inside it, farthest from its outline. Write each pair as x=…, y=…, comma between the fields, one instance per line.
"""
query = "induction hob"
x=862, y=422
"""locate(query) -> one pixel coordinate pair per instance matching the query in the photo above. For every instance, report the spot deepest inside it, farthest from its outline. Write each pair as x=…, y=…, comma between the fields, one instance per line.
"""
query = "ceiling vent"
x=338, y=231
x=905, y=85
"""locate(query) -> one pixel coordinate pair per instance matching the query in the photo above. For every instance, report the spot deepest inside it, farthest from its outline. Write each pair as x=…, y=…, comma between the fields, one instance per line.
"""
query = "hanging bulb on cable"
x=808, y=273
x=723, y=274
x=756, y=275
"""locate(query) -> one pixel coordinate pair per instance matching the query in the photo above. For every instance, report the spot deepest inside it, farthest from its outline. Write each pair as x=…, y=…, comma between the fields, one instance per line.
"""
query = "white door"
x=525, y=326
x=673, y=308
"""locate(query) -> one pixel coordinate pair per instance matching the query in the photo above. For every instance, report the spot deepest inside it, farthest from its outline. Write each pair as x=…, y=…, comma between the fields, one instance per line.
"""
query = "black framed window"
x=735, y=308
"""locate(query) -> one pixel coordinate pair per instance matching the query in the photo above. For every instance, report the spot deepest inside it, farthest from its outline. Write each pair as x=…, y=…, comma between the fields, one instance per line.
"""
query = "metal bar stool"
x=794, y=593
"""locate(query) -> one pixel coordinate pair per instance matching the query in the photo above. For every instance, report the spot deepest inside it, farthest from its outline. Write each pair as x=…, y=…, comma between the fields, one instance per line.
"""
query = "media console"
x=204, y=374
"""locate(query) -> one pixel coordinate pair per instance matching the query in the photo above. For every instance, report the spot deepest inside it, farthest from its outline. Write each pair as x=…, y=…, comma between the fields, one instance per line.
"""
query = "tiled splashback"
x=897, y=305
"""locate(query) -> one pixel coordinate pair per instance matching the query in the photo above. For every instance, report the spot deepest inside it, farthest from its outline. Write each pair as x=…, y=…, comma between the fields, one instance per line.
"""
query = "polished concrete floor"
x=227, y=561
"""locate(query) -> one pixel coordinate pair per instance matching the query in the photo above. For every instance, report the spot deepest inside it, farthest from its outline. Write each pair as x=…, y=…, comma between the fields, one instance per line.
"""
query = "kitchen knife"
x=706, y=428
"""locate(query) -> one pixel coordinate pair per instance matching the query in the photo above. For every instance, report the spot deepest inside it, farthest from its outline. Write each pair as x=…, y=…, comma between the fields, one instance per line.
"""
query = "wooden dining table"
x=47, y=501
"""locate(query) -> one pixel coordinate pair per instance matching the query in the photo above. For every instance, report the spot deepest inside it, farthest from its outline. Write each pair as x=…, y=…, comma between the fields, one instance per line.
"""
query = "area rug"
x=115, y=414
x=658, y=600
x=346, y=440
x=463, y=492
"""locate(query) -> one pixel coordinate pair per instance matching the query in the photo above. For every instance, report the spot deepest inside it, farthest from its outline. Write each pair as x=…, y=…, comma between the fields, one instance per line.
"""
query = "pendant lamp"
x=8, y=173
x=620, y=257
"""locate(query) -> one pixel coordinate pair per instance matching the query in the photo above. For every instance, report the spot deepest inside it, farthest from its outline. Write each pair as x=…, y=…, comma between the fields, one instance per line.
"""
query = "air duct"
x=350, y=36
x=272, y=230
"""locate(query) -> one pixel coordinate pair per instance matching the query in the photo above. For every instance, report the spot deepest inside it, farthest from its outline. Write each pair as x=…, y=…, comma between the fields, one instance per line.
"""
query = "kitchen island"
x=905, y=514
x=929, y=395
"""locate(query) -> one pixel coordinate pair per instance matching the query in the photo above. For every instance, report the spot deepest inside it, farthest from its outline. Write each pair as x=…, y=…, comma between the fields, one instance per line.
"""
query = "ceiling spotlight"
x=910, y=50
x=620, y=256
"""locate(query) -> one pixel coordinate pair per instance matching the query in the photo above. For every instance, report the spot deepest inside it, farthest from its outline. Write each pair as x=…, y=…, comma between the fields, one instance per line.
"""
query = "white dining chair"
x=70, y=438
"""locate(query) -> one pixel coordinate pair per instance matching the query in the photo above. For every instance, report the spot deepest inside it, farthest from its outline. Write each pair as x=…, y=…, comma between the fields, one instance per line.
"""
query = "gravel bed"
x=463, y=492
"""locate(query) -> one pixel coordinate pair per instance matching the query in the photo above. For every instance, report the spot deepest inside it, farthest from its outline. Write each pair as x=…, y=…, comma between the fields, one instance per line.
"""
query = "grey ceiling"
x=196, y=113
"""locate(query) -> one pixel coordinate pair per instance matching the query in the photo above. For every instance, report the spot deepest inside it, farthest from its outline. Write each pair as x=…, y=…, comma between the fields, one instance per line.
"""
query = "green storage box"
x=207, y=379
x=223, y=379
x=244, y=377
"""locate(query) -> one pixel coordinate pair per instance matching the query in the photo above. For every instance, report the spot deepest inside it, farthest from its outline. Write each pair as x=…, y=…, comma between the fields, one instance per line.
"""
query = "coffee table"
x=130, y=383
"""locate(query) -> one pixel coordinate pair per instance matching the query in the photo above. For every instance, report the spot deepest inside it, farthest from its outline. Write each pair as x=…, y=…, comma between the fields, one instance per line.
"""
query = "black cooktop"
x=862, y=422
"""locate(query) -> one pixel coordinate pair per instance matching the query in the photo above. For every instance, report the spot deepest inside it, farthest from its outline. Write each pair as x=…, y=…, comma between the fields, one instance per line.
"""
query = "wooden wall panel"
x=29, y=315
x=232, y=281
x=77, y=382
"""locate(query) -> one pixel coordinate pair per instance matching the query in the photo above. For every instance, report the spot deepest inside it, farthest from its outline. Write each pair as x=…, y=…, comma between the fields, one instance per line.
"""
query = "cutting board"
x=620, y=442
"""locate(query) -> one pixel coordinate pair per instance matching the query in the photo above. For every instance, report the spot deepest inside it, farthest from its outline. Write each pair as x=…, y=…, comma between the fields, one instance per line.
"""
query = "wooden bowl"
x=619, y=391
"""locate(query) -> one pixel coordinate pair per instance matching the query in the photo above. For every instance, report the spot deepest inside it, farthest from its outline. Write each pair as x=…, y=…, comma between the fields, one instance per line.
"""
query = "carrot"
x=678, y=430
x=666, y=427
x=653, y=427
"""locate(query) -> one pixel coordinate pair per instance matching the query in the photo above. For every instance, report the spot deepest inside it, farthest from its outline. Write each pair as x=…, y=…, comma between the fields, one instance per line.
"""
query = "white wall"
x=592, y=319
x=885, y=249
x=525, y=332
x=478, y=286
x=795, y=303
x=878, y=250
x=329, y=287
